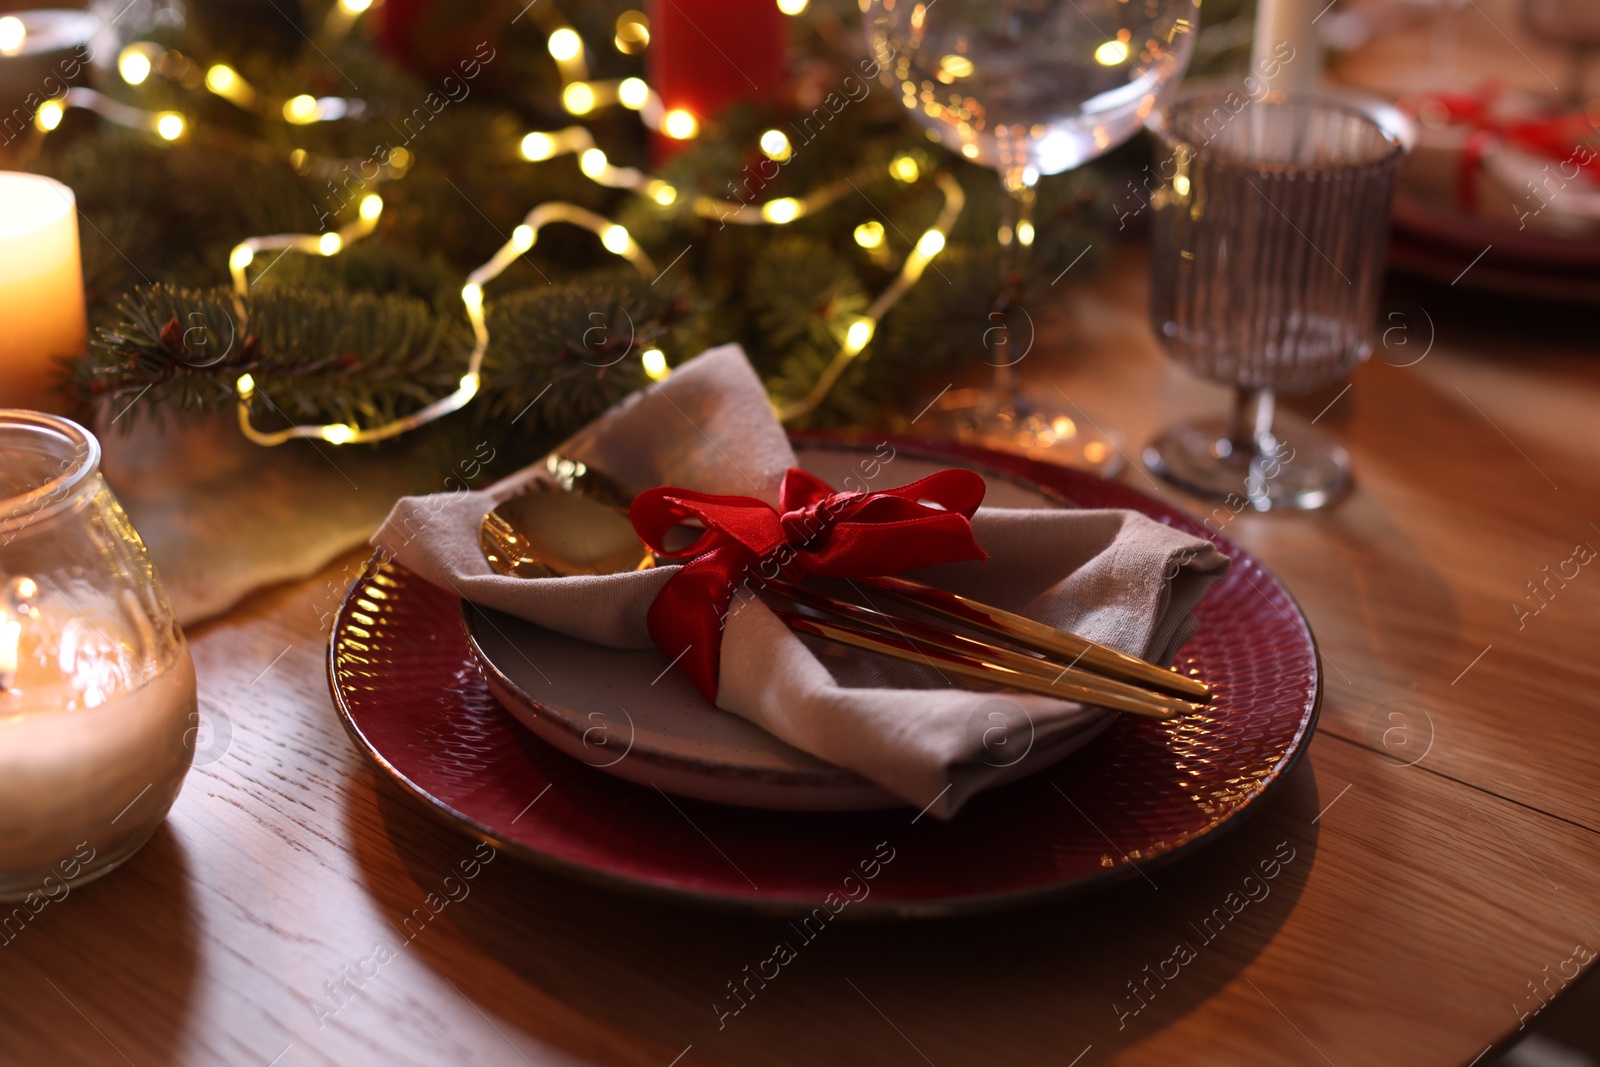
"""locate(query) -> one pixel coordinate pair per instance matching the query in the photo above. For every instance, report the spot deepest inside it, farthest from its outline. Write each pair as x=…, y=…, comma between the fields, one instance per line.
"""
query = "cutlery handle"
x=1155, y=707
x=1079, y=651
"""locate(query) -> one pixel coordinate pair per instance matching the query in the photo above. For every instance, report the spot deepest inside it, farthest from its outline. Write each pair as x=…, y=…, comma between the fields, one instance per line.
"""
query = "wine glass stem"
x=1016, y=243
x=1252, y=420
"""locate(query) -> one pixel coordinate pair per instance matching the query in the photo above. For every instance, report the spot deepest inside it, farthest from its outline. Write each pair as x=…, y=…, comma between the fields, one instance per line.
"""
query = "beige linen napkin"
x=1115, y=577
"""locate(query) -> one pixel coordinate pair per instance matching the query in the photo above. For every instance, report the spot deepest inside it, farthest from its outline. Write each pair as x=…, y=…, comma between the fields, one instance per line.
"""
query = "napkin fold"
x=1116, y=577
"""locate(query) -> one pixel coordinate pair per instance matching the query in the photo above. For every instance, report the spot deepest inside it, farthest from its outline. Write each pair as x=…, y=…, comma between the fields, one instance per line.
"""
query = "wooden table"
x=1423, y=905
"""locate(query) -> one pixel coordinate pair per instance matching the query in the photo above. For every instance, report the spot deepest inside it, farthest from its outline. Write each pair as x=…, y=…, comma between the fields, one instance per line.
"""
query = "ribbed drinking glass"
x=1267, y=253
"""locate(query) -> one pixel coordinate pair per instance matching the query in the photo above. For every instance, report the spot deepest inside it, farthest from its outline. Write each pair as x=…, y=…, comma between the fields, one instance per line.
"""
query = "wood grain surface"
x=1443, y=876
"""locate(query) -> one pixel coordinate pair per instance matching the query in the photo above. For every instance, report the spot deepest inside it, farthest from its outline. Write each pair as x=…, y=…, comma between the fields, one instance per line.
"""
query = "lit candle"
x=97, y=689
x=41, y=286
x=705, y=55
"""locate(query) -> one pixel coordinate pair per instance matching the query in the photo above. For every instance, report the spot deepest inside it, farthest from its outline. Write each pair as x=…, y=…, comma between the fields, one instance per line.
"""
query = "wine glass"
x=1029, y=88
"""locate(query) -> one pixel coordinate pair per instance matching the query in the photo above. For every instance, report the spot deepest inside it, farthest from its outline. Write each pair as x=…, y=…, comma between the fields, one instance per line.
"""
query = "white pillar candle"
x=41, y=287
x=1286, y=28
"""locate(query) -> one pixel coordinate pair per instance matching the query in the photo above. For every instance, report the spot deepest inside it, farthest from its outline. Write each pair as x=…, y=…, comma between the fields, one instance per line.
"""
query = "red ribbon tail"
x=687, y=617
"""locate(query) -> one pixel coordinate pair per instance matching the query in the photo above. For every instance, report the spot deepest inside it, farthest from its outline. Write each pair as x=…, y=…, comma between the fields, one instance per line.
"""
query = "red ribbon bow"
x=835, y=535
x=1553, y=136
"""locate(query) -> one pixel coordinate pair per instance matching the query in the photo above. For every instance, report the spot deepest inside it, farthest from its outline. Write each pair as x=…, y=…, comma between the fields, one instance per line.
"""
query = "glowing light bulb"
x=776, y=146
x=592, y=162
x=241, y=257
x=661, y=192
x=301, y=110
x=1025, y=232
x=330, y=244
x=578, y=98
x=565, y=45
x=904, y=169
x=1180, y=185
x=522, y=238
x=784, y=209
x=930, y=244
x=472, y=296
x=354, y=7
x=792, y=7
x=371, y=207
x=12, y=34
x=860, y=332
x=970, y=151
x=133, y=65
x=1111, y=53
x=537, y=146
x=633, y=93
x=870, y=234
x=338, y=434
x=221, y=79
x=655, y=363
x=170, y=125
x=469, y=385
x=679, y=124
x=246, y=386
x=616, y=239
x=49, y=115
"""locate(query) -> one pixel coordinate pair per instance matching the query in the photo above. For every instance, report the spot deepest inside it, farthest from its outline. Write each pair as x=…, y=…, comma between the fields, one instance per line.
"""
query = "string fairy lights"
x=579, y=96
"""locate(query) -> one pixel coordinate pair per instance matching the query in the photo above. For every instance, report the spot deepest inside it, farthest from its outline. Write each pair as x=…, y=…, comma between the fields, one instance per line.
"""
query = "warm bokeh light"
x=301, y=110
x=565, y=45
x=1111, y=53
x=12, y=34
x=655, y=363
x=133, y=65
x=170, y=126
x=792, y=7
x=330, y=244
x=679, y=124
x=870, y=234
x=578, y=98
x=49, y=115
x=538, y=146
x=776, y=146
x=615, y=238
x=522, y=238
x=956, y=66
x=221, y=79
x=784, y=209
x=633, y=32
x=905, y=169
x=371, y=206
x=633, y=93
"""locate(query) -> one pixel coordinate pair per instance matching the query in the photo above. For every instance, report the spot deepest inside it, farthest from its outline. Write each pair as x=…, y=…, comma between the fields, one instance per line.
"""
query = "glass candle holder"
x=1266, y=255
x=97, y=689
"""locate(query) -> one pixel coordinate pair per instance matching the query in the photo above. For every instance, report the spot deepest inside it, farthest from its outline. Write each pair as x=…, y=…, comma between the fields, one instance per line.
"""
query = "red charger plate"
x=1142, y=794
